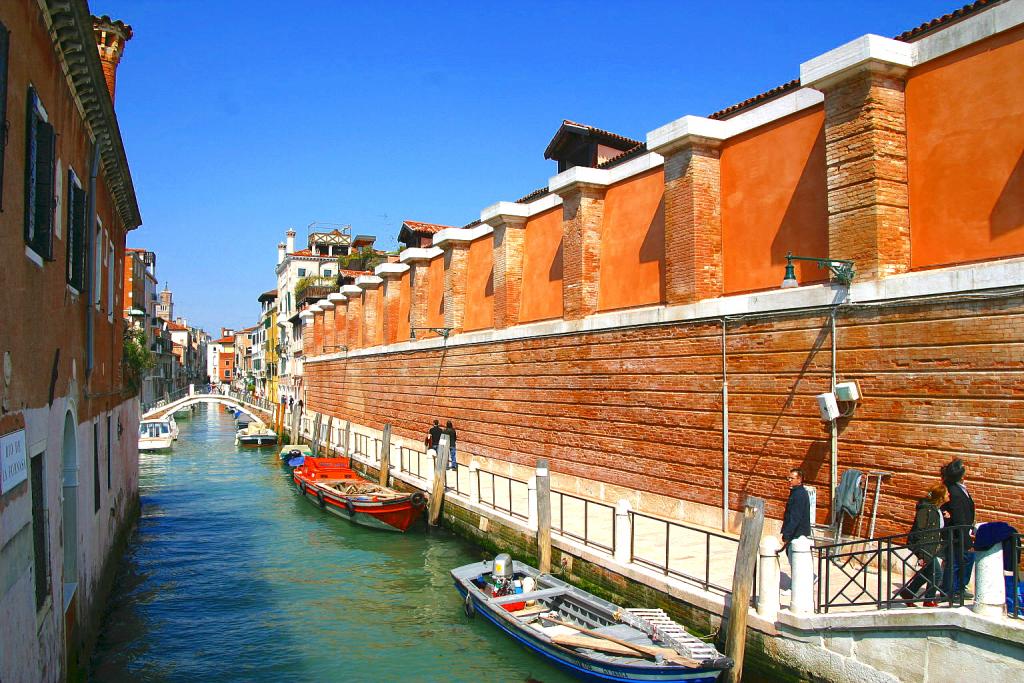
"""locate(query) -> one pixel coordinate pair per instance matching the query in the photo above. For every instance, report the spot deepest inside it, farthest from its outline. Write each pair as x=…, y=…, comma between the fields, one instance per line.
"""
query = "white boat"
x=255, y=433
x=155, y=435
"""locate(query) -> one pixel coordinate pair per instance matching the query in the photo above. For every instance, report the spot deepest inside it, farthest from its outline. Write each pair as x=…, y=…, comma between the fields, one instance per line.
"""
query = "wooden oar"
x=666, y=653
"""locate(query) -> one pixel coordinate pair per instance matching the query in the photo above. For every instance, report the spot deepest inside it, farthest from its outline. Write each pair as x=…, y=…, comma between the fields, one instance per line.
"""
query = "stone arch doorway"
x=69, y=506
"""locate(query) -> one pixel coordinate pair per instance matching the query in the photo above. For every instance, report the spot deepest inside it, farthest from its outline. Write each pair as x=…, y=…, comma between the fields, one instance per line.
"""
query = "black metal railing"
x=682, y=536
x=508, y=486
x=410, y=461
x=572, y=516
x=885, y=572
x=1014, y=601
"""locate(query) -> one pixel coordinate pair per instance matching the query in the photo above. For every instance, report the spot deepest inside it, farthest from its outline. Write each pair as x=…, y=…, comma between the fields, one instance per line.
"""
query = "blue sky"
x=242, y=119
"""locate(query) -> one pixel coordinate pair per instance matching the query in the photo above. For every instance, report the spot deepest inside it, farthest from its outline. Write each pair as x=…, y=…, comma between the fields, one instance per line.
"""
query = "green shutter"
x=45, y=167
x=5, y=41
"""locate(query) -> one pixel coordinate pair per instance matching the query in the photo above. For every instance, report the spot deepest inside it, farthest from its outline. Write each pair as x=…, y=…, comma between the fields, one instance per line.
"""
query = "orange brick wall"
x=633, y=243
x=435, y=295
x=774, y=201
x=542, y=267
x=965, y=143
x=480, y=285
x=642, y=407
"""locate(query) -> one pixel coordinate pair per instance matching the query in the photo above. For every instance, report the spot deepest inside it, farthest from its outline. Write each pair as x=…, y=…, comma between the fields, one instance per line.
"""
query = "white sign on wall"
x=12, y=458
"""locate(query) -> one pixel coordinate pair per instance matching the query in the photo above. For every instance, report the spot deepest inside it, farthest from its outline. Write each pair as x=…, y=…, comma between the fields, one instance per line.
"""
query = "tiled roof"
x=306, y=253
x=344, y=272
x=605, y=135
x=225, y=340
x=625, y=156
x=536, y=194
x=176, y=327
x=907, y=36
x=429, y=228
x=946, y=19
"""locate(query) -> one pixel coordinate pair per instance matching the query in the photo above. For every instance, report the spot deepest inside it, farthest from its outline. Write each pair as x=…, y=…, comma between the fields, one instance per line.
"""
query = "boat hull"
x=578, y=663
x=257, y=441
x=394, y=514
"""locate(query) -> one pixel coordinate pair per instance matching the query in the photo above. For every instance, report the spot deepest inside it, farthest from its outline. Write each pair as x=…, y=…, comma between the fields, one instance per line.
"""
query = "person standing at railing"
x=433, y=436
x=958, y=512
x=449, y=429
x=796, y=521
x=925, y=541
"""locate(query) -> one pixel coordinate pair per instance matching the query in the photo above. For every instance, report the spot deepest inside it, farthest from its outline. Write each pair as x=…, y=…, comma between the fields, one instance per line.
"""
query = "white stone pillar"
x=531, y=494
x=623, y=532
x=989, y=584
x=474, y=482
x=802, y=595
x=768, y=578
x=191, y=389
x=432, y=455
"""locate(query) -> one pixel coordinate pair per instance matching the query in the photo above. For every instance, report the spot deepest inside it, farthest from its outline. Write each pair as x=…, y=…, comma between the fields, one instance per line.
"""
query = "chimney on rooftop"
x=280, y=253
x=290, y=238
x=111, y=35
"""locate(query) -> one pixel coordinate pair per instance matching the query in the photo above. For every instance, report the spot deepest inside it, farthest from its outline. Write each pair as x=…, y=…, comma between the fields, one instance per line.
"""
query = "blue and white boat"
x=590, y=637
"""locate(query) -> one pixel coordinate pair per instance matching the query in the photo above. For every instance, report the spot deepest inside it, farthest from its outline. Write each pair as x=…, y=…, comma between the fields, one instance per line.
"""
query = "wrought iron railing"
x=885, y=572
x=1014, y=603
x=587, y=521
x=662, y=536
x=508, y=488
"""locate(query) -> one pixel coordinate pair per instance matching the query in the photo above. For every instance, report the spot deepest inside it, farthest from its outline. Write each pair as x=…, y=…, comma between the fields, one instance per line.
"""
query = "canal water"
x=232, y=577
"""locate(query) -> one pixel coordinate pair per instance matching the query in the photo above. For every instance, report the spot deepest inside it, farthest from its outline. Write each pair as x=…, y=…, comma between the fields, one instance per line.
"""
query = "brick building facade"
x=626, y=321
x=68, y=422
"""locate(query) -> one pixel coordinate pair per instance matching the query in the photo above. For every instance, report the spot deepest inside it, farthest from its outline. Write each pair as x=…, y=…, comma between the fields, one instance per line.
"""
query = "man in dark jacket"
x=959, y=512
x=434, y=436
x=797, y=519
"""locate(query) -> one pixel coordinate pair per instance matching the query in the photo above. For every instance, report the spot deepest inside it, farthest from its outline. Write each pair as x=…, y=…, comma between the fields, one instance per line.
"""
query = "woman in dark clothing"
x=449, y=429
x=958, y=512
x=925, y=541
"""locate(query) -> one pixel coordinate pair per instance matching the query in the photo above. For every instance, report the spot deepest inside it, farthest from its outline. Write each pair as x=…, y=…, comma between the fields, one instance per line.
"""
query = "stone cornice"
x=352, y=291
x=450, y=237
x=419, y=254
x=71, y=31
x=386, y=270
x=336, y=298
x=867, y=53
x=368, y=282
x=325, y=304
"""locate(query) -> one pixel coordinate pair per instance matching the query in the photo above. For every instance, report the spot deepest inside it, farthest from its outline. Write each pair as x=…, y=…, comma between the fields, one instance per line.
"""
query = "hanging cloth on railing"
x=849, y=495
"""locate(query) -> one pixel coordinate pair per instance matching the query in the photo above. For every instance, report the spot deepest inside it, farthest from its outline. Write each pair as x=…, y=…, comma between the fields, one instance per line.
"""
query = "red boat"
x=337, y=488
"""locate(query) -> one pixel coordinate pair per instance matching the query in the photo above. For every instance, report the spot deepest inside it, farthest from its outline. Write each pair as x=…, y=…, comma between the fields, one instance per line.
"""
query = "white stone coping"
x=306, y=315
x=975, y=28
x=315, y=308
x=368, y=281
x=335, y=297
x=419, y=254
x=697, y=128
x=941, y=281
x=386, y=269
x=496, y=214
x=579, y=175
x=853, y=55
x=325, y=304
x=451, y=236
x=351, y=290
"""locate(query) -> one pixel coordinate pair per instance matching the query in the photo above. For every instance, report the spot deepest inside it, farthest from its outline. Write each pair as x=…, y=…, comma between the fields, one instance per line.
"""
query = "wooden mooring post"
x=385, y=455
x=440, y=470
x=327, y=441
x=348, y=451
x=314, y=440
x=543, y=516
x=742, y=586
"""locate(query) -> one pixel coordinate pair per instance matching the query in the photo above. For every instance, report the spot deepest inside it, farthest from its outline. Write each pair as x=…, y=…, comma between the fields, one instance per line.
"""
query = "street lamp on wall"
x=841, y=270
x=443, y=331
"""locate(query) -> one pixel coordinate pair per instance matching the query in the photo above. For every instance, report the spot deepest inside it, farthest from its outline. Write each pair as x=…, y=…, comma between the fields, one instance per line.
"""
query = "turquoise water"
x=232, y=577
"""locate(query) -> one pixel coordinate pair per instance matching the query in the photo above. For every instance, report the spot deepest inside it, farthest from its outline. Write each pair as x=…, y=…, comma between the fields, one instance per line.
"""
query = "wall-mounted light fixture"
x=841, y=270
x=443, y=331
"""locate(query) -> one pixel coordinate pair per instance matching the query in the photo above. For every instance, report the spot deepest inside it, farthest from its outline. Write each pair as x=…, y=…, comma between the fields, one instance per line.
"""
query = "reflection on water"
x=231, y=576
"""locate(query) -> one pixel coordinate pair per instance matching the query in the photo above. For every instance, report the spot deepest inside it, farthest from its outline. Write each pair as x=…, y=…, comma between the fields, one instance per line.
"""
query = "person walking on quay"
x=449, y=429
x=796, y=521
x=925, y=541
x=434, y=436
x=958, y=512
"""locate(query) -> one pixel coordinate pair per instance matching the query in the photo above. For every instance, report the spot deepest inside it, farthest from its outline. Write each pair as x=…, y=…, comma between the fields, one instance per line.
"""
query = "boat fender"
x=418, y=499
x=469, y=607
x=320, y=499
x=295, y=452
x=350, y=507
